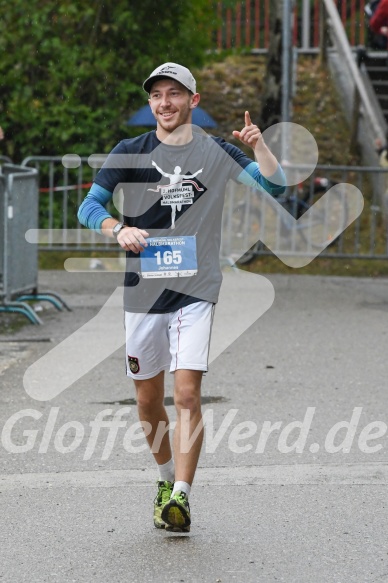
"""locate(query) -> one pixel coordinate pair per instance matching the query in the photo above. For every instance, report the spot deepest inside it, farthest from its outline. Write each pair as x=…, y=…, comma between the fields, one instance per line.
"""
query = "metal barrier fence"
x=248, y=218
x=19, y=211
x=62, y=191
x=18, y=260
x=19, y=207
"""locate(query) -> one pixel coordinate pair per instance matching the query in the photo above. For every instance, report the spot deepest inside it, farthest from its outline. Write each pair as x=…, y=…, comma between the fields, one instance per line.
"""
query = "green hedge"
x=71, y=72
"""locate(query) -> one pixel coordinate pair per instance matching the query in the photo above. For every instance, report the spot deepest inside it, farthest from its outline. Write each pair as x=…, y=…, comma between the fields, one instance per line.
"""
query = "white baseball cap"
x=172, y=71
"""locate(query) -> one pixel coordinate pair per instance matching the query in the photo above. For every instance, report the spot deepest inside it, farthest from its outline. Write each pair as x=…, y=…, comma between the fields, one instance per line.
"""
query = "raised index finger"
x=248, y=121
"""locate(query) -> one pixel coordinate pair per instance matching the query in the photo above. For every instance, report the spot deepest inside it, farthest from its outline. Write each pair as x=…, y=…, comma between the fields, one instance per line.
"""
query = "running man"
x=168, y=325
x=175, y=179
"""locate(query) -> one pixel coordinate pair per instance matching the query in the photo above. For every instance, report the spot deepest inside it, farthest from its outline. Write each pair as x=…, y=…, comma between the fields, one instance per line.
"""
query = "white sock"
x=167, y=471
x=183, y=486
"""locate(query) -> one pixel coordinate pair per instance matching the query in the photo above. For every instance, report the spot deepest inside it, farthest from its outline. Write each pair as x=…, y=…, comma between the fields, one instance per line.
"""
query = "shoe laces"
x=181, y=497
x=164, y=493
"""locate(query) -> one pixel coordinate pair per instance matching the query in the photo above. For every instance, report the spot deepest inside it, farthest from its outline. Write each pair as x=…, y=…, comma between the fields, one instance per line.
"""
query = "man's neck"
x=179, y=137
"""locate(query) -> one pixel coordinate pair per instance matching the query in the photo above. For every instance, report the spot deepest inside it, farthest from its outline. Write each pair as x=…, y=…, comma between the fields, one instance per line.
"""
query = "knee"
x=144, y=403
x=187, y=398
x=148, y=401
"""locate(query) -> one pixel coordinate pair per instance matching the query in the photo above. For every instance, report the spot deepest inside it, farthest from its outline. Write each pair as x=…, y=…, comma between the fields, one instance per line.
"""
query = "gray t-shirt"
x=196, y=175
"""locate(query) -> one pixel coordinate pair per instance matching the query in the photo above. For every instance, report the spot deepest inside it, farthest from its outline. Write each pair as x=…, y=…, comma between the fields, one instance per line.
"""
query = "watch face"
x=117, y=228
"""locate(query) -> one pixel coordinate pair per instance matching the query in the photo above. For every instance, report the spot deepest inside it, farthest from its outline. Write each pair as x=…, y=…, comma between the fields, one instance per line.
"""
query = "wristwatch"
x=117, y=228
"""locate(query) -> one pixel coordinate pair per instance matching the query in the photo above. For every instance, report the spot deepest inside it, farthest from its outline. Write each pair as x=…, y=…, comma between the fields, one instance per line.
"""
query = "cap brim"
x=147, y=85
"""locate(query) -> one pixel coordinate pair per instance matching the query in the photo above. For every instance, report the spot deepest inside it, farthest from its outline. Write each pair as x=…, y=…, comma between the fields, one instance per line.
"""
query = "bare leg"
x=187, y=397
x=150, y=404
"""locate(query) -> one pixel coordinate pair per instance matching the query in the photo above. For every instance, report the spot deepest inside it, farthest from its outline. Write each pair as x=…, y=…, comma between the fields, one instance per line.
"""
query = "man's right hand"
x=132, y=239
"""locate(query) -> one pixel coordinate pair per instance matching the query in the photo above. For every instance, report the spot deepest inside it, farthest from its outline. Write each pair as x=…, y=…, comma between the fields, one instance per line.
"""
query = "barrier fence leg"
x=51, y=297
x=21, y=308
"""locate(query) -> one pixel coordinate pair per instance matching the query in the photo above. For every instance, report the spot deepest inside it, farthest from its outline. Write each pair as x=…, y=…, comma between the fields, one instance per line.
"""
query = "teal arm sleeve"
x=251, y=176
x=92, y=211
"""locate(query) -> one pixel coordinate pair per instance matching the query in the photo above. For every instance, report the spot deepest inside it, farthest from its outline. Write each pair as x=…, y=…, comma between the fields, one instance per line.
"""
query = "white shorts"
x=177, y=340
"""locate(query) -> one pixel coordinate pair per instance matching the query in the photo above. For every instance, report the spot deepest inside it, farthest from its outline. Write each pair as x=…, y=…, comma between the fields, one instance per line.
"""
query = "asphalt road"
x=292, y=479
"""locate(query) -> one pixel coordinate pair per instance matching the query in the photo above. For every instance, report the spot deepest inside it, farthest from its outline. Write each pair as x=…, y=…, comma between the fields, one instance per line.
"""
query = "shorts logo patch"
x=133, y=364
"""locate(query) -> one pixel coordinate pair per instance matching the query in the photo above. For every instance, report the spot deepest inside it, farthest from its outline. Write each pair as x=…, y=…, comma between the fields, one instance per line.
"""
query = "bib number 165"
x=168, y=257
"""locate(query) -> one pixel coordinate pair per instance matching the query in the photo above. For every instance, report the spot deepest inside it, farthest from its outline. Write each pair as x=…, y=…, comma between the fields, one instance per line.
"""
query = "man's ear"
x=195, y=100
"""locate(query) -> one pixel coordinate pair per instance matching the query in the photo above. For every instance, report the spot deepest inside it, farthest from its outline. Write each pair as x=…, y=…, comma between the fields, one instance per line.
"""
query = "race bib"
x=169, y=257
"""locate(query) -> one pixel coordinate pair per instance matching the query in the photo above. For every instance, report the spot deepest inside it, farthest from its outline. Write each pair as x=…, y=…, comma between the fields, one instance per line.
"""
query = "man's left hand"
x=250, y=135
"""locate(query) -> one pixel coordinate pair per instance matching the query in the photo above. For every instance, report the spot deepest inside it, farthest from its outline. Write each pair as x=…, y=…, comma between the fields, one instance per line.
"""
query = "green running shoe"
x=162, y=497
x=176, y=513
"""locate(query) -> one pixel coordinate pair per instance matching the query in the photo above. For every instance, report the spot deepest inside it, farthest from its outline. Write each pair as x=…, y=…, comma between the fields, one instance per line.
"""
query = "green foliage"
x=71, y=72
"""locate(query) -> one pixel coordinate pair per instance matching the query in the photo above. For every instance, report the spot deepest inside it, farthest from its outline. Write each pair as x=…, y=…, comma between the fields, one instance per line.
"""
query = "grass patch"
x=11, y=322
x=322, y=266
x=56, y=259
